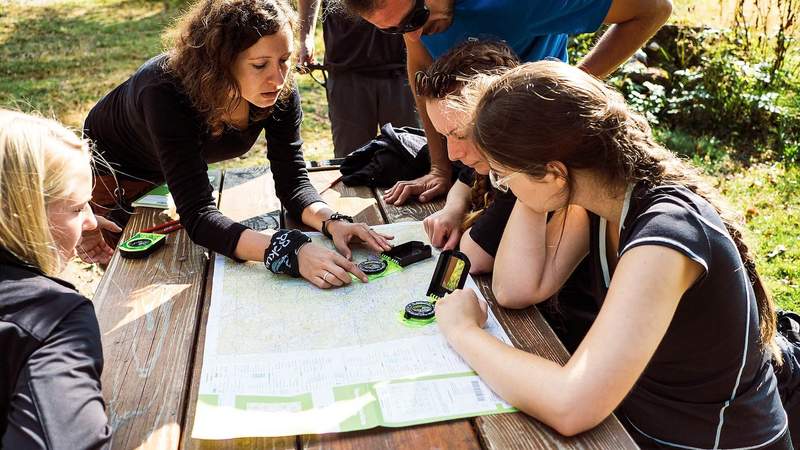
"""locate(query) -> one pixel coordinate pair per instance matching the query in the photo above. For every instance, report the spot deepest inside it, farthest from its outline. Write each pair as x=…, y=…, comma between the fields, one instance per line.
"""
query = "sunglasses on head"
x=413, y=21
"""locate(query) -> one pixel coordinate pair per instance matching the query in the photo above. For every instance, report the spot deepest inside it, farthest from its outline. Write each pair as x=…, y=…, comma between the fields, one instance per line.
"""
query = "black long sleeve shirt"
x=51, y=359
x=147, y=128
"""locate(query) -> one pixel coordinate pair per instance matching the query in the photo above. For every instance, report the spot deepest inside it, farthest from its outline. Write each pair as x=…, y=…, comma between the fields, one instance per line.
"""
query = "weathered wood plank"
x=356, y=202
x=528, y=331
x=457, y=434
x=408, y=212
x=147, y=310
x=361, y=203
x=248, y=196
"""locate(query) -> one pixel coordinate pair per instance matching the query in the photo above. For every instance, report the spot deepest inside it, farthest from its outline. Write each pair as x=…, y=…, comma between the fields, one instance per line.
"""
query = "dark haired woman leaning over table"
x=684, y=348
x=224, y=79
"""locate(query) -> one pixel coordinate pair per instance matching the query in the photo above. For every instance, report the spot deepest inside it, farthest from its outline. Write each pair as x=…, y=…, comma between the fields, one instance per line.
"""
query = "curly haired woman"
x=223, y=81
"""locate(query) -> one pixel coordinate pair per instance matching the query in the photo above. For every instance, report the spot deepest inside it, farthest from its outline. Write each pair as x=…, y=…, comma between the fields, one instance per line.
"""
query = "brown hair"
x=204, y=43
x=549, y=111
x=451, y=71
x=447, y=75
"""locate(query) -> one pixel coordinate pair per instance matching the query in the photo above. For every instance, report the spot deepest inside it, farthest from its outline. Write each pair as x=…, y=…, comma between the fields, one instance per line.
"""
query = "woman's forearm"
x=520, y=259
x=315, y=213
x=458, y=198
x=537, y=386
x=252, y=244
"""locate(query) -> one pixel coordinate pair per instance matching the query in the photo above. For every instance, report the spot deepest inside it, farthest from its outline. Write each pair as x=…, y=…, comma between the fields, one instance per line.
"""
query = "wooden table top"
x=153, y=312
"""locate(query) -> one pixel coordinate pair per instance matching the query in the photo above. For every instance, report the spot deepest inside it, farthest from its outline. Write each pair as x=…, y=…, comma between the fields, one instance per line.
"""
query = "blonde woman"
x=52, y=358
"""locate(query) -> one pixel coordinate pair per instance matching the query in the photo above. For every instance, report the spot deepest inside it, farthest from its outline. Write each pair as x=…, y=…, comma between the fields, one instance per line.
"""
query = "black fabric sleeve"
x=466, y=174
x=285, y=154
x=176, y=134
x=488, y=228
x=57, y=402
x=672, y=225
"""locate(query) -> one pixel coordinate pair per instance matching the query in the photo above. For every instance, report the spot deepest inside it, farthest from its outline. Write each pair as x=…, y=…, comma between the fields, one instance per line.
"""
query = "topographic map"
x=283, y=357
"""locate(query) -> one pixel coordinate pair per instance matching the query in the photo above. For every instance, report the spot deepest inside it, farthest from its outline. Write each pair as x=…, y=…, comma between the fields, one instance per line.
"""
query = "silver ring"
x=325, y=277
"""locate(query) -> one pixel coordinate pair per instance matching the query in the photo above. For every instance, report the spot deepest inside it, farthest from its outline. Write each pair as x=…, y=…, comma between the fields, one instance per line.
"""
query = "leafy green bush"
x=703, y=82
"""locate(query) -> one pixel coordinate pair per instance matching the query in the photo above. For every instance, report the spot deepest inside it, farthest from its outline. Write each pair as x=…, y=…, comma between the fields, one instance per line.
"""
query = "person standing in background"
x=367, y=84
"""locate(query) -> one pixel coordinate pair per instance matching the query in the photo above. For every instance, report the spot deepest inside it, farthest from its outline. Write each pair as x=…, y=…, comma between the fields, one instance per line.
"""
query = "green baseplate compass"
x=394, y=260
x=141, y=245
x=451, y=273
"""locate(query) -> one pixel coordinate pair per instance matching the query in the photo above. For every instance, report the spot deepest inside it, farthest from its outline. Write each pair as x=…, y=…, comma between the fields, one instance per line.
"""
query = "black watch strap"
x=335, y=216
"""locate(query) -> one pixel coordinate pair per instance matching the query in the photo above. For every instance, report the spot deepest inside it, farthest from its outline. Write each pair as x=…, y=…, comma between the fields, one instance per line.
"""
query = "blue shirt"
x=534, y=29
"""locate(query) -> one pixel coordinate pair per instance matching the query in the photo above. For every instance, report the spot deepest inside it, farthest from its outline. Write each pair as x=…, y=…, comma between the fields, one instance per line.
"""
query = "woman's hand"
x=426, y=188
x=444, y=228
x=325, y=268
x=460, y=310
x=92, y=247
x=344, y=233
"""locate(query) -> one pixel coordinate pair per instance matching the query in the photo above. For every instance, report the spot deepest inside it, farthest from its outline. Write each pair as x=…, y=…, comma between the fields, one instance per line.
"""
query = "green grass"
x=768, y=197
x=58, y=57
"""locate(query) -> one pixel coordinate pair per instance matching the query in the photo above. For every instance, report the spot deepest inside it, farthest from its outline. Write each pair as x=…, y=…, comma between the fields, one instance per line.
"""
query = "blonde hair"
x=35, y=158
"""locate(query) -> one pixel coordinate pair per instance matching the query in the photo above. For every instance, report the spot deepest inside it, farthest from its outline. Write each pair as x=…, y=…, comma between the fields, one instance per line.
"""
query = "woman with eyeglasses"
x=684, y=348
x=223, y=81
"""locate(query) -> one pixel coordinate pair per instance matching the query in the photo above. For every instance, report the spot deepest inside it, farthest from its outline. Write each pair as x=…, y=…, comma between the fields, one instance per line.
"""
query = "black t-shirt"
x=147, y=128
x=488, y=227
x=353, y=44
x=709, y=383
x=51, y=363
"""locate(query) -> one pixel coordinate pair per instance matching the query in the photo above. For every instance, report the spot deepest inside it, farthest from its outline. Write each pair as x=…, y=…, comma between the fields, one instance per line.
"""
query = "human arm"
x=57, y=402
x=178, y=136
x=444, y=226
x=632, y=22
x=308, y=11
x=647, y=286
x=293, y=186
x=437, y=182
x=174, y=131
x=535, y=256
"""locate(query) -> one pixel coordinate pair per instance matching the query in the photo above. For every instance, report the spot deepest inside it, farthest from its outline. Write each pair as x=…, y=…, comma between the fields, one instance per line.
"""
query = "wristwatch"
x=335, y=216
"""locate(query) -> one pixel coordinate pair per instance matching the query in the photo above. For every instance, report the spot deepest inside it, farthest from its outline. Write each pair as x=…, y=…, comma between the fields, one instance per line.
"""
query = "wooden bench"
x=153, y=313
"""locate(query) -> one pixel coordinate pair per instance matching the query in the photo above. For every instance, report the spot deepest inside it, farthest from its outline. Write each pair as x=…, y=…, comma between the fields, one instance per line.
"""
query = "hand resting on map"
x=345, y=233
x=325, y=268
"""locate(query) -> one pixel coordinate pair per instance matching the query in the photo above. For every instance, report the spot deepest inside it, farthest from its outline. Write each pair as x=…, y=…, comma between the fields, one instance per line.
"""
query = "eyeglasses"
x=413, y=21
x=500, y=183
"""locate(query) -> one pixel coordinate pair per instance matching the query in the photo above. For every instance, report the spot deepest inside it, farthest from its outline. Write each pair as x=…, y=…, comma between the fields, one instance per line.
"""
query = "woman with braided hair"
x=475, y=214
x=474, y=218
x=684, y=348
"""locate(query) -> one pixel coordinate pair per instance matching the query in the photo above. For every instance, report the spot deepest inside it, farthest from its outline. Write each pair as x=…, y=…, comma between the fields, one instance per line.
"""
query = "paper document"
x=159, y=197
x=283, y=357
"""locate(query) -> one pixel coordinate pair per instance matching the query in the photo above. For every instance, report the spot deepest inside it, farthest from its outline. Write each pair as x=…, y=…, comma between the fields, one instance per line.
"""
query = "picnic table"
x=153, y=314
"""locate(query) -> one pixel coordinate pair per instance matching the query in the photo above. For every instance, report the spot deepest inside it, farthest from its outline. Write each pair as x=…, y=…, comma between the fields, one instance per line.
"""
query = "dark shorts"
x=359, y=104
